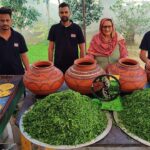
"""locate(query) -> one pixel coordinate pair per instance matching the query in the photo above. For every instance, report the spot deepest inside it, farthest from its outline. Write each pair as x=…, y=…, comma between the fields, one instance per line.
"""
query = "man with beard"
x=12, y=47
x=65, y=37
x=145, y=51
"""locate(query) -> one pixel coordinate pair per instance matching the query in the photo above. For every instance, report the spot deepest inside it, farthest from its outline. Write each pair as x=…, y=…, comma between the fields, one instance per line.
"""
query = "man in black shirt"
x=145, y=50
x=65, y=37
x=12, y=47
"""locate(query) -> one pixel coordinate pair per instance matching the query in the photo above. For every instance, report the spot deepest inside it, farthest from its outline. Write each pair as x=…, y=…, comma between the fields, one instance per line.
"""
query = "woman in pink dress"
x=107, y=46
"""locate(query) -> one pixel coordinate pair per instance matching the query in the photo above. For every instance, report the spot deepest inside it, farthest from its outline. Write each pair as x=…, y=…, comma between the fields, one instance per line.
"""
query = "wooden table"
x=12, y=100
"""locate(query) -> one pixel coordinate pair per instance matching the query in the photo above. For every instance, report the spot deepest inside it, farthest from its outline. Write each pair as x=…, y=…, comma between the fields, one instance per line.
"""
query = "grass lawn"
x=38, y=52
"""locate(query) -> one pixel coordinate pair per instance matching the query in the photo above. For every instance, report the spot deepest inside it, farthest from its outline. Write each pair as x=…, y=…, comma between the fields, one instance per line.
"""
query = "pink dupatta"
x=100, y=47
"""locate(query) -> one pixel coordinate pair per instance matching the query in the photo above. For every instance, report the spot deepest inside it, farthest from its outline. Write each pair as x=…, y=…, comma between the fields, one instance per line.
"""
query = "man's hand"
x=147, y=65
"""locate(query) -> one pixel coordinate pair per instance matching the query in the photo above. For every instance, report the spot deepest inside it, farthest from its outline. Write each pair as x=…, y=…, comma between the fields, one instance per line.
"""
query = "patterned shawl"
x=100, y=47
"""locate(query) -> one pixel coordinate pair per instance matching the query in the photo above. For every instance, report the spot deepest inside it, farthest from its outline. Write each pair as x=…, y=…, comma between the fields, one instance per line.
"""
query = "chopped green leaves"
x=136, y=114
x=65, y=118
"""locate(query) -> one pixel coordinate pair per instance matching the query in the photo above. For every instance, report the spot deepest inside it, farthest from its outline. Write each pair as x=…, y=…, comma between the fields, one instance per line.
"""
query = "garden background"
x=33, y=18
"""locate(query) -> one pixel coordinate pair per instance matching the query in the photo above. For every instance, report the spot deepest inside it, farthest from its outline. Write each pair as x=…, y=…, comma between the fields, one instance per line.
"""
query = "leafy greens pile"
x=136, y=114
x=65, y=118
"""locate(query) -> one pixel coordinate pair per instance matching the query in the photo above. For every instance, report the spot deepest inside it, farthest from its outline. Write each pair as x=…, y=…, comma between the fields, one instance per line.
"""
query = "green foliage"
x=132, y=18
x=40, y=31
x=65, y=118
x=93, y=10
x=23, y=14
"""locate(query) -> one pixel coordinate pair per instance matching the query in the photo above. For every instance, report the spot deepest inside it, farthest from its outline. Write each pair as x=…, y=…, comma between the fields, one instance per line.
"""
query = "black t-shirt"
x=10, y=50
x=145, y=43
x=66, y=44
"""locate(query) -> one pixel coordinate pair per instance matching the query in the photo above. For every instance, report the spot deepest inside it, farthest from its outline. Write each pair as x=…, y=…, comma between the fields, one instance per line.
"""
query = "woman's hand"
x=89, y=56
x=147, y=64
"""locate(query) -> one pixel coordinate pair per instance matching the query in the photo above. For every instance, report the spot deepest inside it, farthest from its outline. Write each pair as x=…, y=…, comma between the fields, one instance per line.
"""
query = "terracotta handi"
x=131, y=75
x=43, y=78
x=80, y=75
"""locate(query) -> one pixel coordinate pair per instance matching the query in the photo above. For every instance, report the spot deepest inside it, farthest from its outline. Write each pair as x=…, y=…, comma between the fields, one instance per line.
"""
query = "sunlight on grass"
x=38, y=52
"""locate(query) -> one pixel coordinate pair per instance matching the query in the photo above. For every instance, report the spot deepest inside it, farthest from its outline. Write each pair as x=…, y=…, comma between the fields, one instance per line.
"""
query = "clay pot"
x=43, y=78
x=131, y=75
x=81, y=74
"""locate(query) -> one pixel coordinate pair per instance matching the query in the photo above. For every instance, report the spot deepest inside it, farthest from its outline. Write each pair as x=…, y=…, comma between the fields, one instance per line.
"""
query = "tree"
x=93, y=10
x=84, y=21
x=58, y=1
x=47, y=4
x=85, y=12
x=23, y=14
x=132, y=18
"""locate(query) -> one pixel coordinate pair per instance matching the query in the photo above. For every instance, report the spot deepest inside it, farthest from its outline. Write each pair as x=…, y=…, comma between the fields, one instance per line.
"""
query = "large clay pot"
x=43, y=78
x=81, y=74
x=131, y=75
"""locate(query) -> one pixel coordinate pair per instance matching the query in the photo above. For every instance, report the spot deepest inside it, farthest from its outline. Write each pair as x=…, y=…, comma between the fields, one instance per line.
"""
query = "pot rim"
x=130, y=60
x=81, y=60
x=38, y=63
